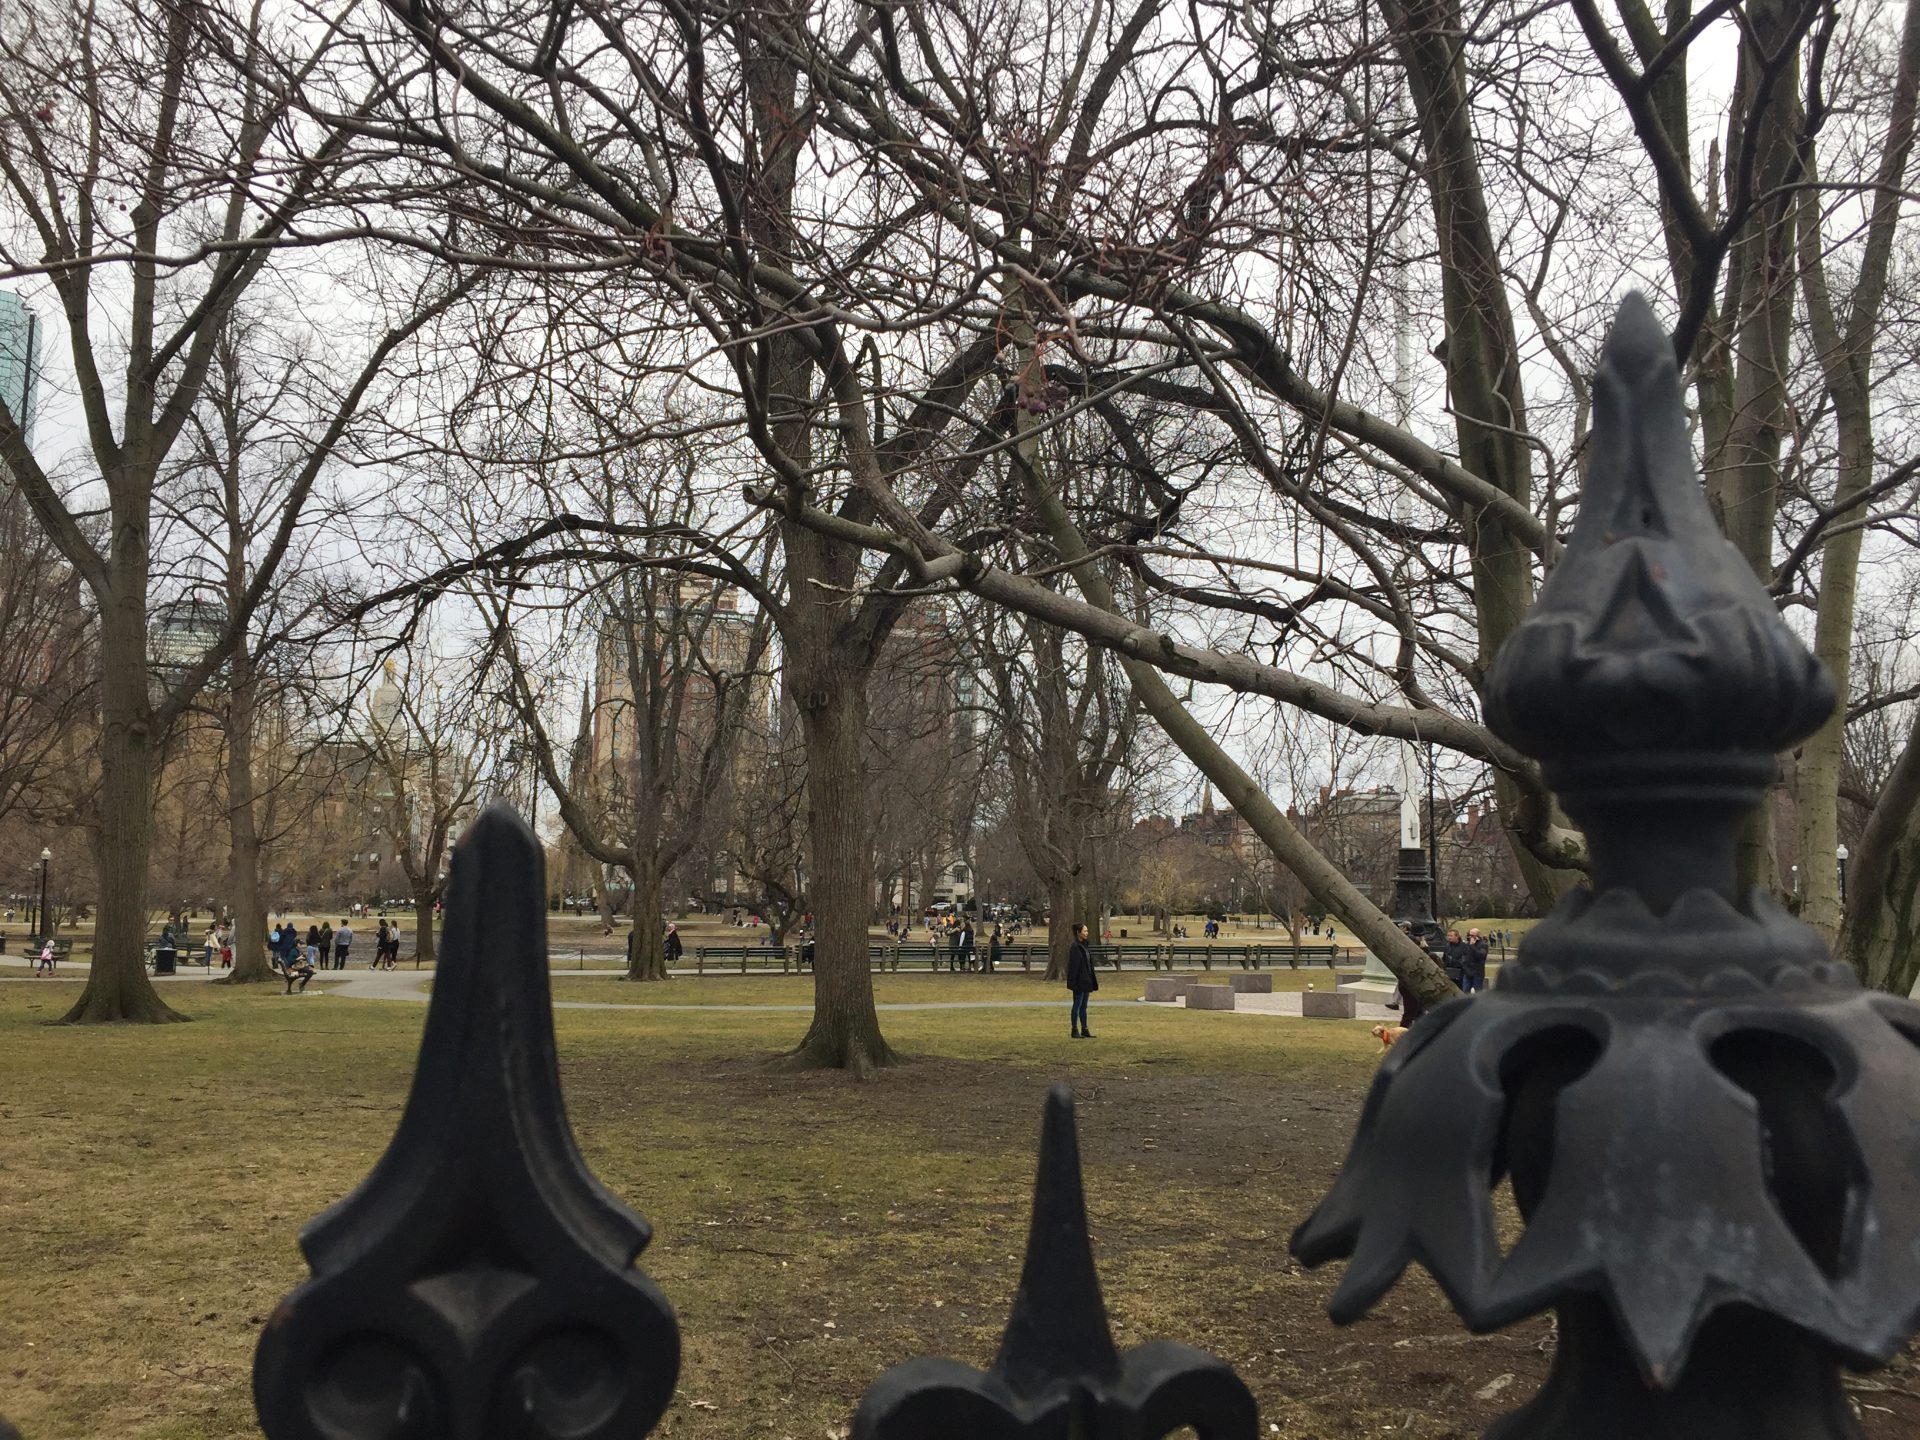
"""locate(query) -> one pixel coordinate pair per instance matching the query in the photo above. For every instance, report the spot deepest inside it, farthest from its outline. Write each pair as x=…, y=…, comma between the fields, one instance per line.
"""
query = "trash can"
x=163, y=961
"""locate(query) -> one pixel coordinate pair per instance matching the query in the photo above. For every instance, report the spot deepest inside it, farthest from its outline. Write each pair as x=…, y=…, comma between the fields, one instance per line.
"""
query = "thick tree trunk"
x=1482, y=355
x=243, y=848
x=1881, y=939
x=118, y=987
x=1846, y=358
x=1743, y=487
x=1060, y=918
x=1816, y=777
x=833, y=709
x=646, y=951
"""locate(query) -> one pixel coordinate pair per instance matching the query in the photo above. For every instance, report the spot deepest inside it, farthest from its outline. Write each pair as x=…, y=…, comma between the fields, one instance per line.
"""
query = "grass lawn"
x=901, y=989
x=810, y=1230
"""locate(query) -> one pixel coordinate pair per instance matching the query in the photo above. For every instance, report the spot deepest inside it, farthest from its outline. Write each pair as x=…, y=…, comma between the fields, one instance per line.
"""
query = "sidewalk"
x=1280, y=1002
x=407, y=986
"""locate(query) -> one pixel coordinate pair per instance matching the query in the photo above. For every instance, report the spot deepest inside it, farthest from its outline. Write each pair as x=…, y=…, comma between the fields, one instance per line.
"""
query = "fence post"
x=1708, y=1126
x=1058, y=1373
x=480, y=1270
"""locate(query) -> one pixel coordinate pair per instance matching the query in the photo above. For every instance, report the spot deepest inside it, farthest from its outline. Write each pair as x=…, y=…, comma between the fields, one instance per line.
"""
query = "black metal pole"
x=45, y=929
x=1433, y=846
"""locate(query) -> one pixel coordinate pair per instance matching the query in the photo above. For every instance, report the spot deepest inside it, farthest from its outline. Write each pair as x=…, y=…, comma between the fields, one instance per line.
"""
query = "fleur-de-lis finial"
x=480, y=1282
x=1057, y=1375
x=1708, y=1126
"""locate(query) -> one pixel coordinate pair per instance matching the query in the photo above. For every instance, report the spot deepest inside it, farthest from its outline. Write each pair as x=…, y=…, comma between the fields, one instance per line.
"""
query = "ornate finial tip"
x=498, y=822
x=1652, y=634
x=1058, y=1180
x=1636, y=345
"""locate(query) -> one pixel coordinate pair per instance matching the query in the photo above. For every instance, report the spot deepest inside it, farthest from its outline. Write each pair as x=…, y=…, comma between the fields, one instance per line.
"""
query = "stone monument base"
x=1327, y=1005
x=1210, y=997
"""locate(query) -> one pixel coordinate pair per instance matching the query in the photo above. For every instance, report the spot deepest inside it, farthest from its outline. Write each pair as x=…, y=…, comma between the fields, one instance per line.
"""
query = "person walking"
x=210, y=946
x=1081, y=981
x=1474, y=974
x=45, y=964
x=994, y=950
x=342, y=942
x=673, y=946
x=969, y=956
x=326, y=945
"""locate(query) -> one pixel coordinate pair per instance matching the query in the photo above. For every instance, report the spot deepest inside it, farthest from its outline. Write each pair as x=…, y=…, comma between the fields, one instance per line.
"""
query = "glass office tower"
x=20, y=332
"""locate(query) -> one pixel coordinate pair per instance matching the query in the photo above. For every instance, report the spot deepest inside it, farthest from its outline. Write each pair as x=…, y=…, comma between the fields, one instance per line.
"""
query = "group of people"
x=325, y=948
x=1465, y=961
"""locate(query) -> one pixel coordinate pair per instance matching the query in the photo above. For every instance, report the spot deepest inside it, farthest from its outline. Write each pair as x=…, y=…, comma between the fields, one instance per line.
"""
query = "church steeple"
x=1206, y=798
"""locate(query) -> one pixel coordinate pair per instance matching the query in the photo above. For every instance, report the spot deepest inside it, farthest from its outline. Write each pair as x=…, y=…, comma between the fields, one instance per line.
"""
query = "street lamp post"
x=46, y=859
x=1840, y=854
x=1433, y=846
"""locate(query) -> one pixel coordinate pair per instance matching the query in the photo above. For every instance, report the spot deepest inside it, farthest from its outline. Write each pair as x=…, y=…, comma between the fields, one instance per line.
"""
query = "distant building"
x=1359, y=833
x=20, y=346
x=1478, y=872
x=179, y=635
x=1215, y=828
x=703, y=635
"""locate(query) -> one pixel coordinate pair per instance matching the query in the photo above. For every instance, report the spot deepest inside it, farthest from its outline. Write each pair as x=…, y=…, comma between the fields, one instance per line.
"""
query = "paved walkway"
x=1280, y=1002
x=406, y=986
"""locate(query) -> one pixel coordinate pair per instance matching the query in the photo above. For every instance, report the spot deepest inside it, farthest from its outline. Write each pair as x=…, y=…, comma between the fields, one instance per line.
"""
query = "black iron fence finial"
x=1057, y=1375
x=1709, y=1128
x=480, y=1282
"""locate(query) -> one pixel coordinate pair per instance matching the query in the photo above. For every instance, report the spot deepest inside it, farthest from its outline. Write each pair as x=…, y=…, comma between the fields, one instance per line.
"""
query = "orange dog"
x=1388, y=1034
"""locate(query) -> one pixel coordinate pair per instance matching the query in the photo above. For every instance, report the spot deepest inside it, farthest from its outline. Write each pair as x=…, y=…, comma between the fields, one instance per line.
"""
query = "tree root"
x=95, y=1012
x=860, y=1060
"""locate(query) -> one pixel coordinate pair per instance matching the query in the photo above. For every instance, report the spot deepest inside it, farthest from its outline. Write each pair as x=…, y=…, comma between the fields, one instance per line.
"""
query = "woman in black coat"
x=1081, y=981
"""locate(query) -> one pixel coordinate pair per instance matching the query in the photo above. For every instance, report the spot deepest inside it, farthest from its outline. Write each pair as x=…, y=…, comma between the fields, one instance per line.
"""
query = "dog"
x=1387, y=1035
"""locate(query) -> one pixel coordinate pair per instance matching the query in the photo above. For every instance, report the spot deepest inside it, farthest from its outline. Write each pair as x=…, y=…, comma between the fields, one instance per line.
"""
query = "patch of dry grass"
x=888, y=989
x=810, y=1230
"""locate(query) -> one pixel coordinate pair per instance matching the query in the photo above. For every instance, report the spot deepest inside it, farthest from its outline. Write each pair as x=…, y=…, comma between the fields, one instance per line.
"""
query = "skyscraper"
x=19, y=360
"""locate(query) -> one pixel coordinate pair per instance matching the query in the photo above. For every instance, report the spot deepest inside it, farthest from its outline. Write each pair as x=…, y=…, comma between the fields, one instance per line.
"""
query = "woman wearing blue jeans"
x=1081, y=981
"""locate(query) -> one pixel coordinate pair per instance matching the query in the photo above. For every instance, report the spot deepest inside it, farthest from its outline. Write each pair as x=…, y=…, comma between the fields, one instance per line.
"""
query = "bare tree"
x=1067, y=726
x=151, y=191
x=432, y=741
x=677, y=668
x=46, y=668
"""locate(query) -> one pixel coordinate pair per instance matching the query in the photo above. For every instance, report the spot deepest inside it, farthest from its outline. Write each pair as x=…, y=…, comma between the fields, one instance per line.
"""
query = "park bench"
x=62, y=949
x=1311, y=954
x=892, y=957
x=740, y=957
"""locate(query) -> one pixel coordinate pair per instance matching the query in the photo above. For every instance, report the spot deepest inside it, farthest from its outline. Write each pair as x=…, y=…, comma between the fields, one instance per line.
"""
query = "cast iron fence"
x=1710, y=1129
